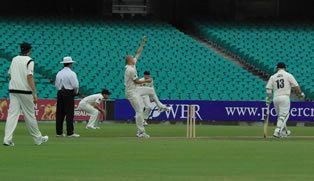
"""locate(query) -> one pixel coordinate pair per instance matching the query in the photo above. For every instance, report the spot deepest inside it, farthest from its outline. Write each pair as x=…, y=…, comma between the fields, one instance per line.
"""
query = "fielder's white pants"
x=18, y=103
x=148, y=109
x=94, y=113
x=135, y=98
x=149, y=91
x=282, y=107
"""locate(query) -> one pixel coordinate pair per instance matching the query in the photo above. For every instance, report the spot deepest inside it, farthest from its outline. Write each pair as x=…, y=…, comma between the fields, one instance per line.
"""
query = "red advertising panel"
x=45, y=109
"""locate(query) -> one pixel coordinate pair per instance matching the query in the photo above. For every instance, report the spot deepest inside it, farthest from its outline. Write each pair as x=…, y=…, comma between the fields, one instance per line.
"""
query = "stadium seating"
x=181, y=67
x=264, y=45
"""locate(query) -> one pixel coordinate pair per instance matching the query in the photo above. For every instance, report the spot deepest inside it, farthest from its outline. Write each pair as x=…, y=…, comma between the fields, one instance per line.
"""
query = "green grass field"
x=113, y=153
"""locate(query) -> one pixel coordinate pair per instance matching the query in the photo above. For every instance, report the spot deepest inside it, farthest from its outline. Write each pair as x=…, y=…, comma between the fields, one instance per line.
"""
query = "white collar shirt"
x=67, y=79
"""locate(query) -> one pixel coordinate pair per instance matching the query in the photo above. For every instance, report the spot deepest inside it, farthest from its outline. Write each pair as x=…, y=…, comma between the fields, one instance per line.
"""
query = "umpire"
x=67, y=85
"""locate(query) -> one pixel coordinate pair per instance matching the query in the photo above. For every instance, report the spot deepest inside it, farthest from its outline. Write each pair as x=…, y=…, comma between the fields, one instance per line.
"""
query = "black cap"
x=146, y=73
x=25, y=47
x=105, y=91
x=281, y=65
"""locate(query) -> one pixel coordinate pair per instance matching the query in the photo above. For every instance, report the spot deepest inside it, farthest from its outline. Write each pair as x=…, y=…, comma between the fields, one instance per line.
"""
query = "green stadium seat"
x=180, y=66
x=264, y=45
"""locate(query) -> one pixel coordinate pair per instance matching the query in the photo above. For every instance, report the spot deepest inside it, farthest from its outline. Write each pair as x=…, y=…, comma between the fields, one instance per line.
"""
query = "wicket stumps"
x=190, y=124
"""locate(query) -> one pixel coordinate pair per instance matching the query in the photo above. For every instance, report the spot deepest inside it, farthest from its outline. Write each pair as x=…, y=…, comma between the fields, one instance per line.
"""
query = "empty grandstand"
x=265, y=44
x=99, y=46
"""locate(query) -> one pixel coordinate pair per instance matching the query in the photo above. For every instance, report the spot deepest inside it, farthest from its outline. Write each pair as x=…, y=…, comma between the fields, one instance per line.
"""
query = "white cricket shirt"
x=92, y=99
x=130, y=75
x=281, y=83
x=19, y=71
x=67, y=79
x=146, y=84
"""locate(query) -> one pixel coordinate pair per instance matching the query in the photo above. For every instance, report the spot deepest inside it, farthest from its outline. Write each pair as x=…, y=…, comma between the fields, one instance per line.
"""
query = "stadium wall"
x=120, y=109
x=218, y=111
x=45, y=110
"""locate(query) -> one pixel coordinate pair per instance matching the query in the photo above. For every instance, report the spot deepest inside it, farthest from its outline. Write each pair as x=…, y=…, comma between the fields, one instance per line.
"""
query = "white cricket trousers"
x=135, y=101
x=18, y=103
x=149, y=91
x=94, y=113
x=282, y=107
x=135, y=98
x=148, y=109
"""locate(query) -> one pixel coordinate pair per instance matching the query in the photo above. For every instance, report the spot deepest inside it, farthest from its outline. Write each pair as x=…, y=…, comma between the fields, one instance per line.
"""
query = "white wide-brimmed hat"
x=67, y=60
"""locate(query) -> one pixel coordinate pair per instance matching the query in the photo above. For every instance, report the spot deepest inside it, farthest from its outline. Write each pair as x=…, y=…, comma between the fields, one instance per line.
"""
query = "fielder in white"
x=21, y=87
x=281, y=84
x=91, y=105
x=146, y=99
x=134, y=93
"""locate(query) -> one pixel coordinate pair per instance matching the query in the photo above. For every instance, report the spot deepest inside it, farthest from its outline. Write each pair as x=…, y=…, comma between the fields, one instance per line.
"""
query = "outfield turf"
x=113, y=153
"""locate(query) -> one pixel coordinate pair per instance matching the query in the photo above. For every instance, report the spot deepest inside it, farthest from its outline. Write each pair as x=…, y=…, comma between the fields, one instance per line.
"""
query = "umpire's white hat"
x=67, y=60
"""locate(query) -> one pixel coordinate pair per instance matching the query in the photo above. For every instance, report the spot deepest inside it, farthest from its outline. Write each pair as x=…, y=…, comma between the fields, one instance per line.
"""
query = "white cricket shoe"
x=145, y=123
x=44, y=139
x=10, y=143
x=165, y=109
x=142, y=135
x=90, y=127
x=285, y=133
x=74, y=135
x=277, y=133
x=97, y=127
x=60, y=135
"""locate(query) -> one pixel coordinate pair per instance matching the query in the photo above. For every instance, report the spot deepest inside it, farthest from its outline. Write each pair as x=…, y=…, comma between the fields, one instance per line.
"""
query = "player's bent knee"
x=80, y=106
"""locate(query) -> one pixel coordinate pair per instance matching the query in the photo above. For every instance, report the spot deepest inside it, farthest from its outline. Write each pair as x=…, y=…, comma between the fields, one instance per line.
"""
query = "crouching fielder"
x=91, y=105
x=281, y=83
